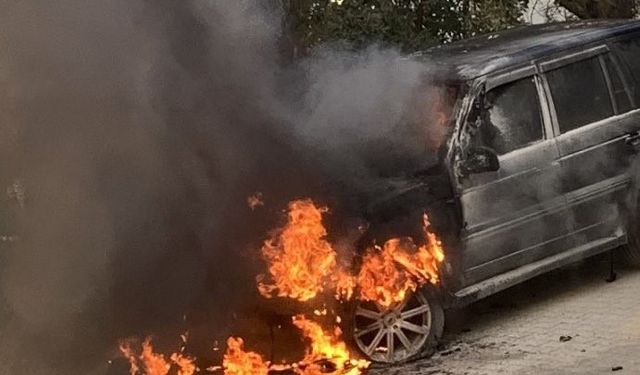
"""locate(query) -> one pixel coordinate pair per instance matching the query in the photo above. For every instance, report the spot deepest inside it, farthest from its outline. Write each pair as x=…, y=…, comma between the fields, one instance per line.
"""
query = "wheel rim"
x=394, y=334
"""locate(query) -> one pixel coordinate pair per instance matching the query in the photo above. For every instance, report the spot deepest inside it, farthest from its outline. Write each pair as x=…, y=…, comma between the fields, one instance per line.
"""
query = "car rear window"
x=580, y=94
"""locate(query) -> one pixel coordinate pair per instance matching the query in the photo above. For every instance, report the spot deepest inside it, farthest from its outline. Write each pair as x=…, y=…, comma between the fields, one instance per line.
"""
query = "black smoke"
x=138, y=129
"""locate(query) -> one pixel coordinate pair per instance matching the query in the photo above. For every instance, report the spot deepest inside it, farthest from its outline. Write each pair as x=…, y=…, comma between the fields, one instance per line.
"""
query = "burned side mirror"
x=479, y=160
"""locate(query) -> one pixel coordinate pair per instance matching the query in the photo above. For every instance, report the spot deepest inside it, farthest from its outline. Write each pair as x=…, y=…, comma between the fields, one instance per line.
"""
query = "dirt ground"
x=567, y=322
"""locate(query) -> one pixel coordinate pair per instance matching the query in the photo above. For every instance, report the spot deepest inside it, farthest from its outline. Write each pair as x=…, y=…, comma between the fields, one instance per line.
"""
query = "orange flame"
x=155, y=363
x=327, y=352
x=299, y=257
x=238, y=362
x=436, y=114
x=127, y=352
x=344, y=285
x=302, y=264
x=389, y=273
x=186, y=365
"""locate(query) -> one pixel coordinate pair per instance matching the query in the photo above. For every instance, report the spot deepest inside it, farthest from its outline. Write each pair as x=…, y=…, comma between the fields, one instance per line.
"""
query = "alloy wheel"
x=394, y=334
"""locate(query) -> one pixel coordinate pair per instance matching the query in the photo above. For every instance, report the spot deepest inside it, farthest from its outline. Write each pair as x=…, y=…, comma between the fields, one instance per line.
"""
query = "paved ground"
x=518, y=331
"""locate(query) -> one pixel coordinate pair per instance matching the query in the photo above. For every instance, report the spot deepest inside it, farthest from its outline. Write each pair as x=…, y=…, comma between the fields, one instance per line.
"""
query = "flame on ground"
x=149, y=362
x=302, y=264
x=127, y=352
x=326, y=349
x=186, y=365
x=326, y=354
x=239, y=362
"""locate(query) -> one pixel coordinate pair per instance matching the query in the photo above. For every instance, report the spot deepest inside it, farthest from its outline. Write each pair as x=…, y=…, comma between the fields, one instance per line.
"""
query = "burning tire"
x=403, y=332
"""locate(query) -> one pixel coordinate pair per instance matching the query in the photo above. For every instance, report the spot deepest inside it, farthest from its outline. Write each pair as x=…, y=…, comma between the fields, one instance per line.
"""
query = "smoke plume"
x=137, y=130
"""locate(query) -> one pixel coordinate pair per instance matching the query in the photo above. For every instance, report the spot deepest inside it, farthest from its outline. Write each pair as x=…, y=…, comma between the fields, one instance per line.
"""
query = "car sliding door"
x=596, y=124
x=515, y=215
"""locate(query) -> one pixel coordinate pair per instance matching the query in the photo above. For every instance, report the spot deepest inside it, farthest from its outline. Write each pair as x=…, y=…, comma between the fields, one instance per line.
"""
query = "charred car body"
x=537, y=171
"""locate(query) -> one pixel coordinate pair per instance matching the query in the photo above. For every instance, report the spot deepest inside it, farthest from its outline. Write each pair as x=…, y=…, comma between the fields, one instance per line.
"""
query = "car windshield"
x=417, y=142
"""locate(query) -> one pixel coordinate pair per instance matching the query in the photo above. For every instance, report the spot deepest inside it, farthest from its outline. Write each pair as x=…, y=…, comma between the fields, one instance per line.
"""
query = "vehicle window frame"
x=622, y=68
x=561, y=61
x=616, y=65
x=517, y=74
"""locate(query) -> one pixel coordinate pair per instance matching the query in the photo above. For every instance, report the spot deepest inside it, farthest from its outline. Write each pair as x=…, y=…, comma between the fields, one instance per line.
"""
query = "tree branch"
x=588, y=9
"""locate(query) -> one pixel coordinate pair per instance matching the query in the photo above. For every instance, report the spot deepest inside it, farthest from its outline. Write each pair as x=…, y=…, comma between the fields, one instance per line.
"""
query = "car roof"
x=471, y=58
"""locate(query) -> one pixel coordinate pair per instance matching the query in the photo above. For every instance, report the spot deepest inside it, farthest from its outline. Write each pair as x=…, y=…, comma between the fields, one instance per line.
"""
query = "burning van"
x=537, y=169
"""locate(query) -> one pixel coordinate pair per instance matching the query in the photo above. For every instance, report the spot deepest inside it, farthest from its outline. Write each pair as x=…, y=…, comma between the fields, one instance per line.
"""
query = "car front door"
x=515, y=215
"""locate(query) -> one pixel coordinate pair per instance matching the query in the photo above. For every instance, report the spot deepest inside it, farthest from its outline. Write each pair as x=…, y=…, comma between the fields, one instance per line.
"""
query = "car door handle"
x=633, y=141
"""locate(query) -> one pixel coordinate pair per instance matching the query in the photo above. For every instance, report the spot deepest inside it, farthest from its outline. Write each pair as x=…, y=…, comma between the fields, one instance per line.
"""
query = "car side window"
x=629, y=53
x=618, y=89
x=512, y=118
x=580, y=94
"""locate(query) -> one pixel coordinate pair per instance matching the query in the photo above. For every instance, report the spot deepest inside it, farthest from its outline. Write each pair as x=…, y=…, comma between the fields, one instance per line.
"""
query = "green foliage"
x=407, y=24
x=494, y=15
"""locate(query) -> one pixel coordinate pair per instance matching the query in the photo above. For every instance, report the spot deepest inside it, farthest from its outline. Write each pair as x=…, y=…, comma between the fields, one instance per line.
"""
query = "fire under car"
x=537, y=170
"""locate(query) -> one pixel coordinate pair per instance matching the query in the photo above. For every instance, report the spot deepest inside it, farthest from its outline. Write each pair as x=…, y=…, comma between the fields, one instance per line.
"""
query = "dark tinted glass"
x=580, y=94
x=629, y=52
x=623, y=103
x=514, y=118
